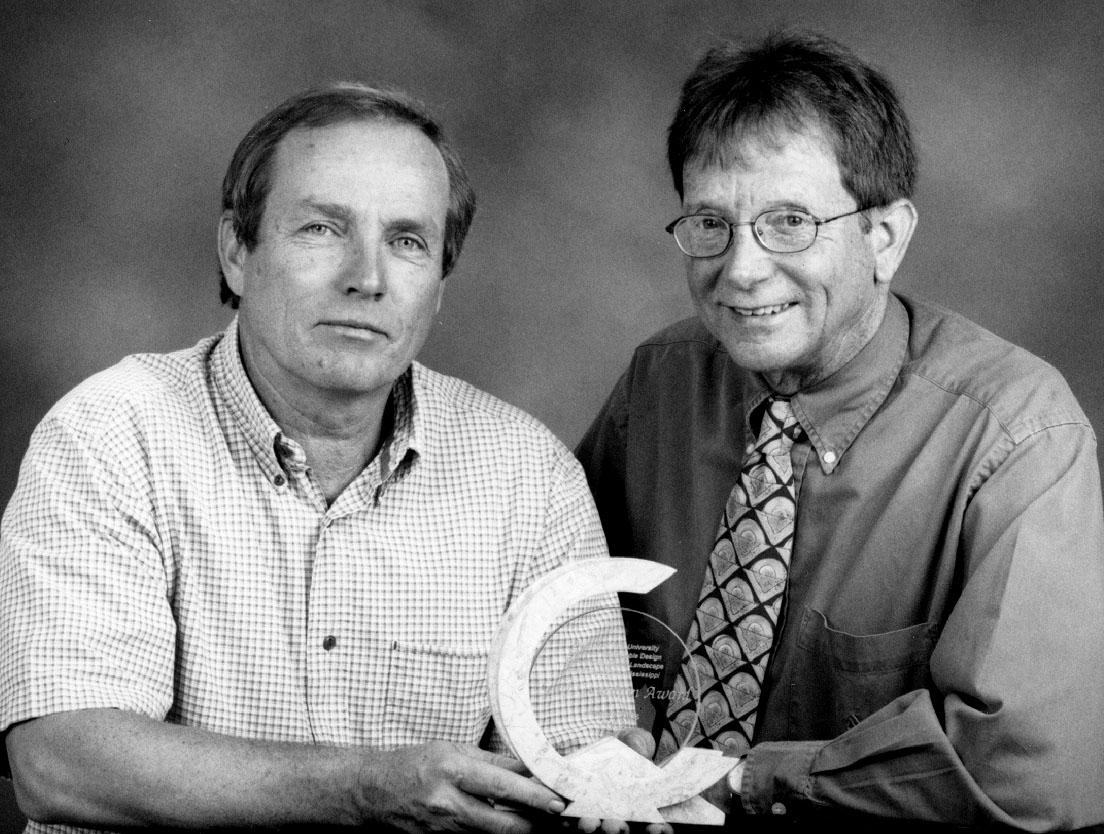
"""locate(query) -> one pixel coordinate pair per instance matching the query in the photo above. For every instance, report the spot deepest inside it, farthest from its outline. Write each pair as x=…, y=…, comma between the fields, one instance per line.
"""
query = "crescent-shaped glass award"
x=607, y=779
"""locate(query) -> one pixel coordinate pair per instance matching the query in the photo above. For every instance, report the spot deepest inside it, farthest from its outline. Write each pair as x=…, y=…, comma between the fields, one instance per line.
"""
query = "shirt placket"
x=330, y=642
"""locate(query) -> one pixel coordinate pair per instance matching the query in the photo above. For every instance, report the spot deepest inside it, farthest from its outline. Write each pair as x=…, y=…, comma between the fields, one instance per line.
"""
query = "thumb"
x=639, y=740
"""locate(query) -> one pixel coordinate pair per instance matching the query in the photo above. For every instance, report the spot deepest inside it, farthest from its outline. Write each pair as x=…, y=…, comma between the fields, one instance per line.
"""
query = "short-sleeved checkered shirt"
x=167, y=551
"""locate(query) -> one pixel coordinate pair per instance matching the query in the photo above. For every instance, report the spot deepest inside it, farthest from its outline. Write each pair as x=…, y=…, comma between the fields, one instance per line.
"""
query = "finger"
x=591, y=824
x=487, y=781
x=659, y=828
x=483, y=816
x=497, y=759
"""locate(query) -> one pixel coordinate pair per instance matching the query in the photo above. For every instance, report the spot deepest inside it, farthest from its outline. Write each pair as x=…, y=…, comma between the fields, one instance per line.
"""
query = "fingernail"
x=556, y=806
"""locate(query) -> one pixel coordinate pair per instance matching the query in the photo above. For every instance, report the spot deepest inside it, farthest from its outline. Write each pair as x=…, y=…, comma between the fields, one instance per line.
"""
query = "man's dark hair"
x=797, y=81
x=246, y=184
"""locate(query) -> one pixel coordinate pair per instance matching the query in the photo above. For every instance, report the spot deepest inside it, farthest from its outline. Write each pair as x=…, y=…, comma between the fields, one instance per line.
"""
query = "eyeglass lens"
x=781, y=230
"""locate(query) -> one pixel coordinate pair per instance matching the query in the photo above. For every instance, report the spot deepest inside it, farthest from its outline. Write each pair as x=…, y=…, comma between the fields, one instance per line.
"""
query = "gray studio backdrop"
x=118, y=120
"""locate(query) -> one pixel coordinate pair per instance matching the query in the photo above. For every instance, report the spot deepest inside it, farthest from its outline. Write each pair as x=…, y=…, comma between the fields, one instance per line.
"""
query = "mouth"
x=355, y=329
x=755, y=312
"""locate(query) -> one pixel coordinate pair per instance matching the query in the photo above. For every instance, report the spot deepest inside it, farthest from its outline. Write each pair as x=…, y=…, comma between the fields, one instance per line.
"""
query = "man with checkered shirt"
x=254, y=583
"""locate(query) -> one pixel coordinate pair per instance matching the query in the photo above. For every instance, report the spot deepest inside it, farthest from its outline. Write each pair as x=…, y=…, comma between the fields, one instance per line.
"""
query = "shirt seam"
x=1057, y=421
x=710, y=343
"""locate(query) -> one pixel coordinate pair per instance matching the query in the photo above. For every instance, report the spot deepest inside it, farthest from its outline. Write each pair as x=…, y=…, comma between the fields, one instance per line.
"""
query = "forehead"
x=780, y=165
x=360, y=161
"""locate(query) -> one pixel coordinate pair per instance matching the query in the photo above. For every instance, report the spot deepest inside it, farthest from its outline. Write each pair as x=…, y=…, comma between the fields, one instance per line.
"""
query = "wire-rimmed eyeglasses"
x=785, y=230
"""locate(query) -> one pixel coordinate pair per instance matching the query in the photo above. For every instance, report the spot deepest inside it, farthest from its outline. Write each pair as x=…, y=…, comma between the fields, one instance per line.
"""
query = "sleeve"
x=84, y=614
x=1013, y=730
x=602, y=454
x=580, y=685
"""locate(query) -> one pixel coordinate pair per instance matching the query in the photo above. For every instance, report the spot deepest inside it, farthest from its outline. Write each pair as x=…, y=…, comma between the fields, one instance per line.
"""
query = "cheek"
x=848, y=304
x=419, y=309
x=700, y=277
x=429, y=307
x=272, y=300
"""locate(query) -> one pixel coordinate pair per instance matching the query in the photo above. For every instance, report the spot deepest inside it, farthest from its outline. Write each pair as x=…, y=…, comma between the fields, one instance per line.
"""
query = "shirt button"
x=279, y=480
x=778, y=809
x=829, y=457
x=329, y=642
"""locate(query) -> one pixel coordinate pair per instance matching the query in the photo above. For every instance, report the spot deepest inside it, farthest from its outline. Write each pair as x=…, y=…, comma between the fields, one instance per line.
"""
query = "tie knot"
x=778, y=421
x=780, y=407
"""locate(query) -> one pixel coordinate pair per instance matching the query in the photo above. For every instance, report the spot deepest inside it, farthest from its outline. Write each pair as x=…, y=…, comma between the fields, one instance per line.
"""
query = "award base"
x=622, y=781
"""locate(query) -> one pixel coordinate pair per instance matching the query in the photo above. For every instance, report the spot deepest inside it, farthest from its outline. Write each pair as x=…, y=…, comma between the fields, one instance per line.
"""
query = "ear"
x=440, y=295
x=232, y=253
x=890, y=236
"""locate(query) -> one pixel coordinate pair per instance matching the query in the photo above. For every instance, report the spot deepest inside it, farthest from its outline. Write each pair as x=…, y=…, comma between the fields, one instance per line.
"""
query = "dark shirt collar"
x=834, y=411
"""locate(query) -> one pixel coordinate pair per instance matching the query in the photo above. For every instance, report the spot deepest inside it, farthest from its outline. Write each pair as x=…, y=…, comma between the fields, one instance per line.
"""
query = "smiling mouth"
x=773, y=309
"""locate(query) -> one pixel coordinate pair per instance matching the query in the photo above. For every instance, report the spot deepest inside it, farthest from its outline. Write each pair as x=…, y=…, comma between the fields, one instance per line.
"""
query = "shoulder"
x=169, y=387
x=457, y=413
x=679, y=351
x=688, y=335
x=1019, y=389
x=679, y=366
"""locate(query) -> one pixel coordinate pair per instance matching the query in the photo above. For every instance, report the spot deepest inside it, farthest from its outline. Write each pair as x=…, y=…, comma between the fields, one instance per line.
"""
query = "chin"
x=763, y=359
x=354, y=380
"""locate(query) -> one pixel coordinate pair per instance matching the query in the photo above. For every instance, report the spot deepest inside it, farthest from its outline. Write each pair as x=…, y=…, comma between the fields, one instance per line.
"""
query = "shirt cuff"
x=777, y=775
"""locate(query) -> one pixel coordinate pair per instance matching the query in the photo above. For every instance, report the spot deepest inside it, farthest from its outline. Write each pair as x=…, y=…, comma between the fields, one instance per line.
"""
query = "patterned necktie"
x=733, y=631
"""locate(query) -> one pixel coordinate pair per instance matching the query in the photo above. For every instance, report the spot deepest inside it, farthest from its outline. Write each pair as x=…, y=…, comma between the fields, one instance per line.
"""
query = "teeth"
x=761, y=311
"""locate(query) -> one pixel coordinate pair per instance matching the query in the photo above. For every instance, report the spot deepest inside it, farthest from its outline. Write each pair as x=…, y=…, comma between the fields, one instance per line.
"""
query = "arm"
x=111, y=768
x=1013, y=730
x=87, y=657
x=580, y=683
x=602, y=455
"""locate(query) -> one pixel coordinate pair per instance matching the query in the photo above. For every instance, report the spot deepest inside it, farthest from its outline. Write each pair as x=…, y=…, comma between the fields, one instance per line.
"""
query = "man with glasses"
x=886, y=521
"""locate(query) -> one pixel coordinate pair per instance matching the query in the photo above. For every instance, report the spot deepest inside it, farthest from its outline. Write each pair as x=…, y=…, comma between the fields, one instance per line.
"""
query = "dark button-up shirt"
x=941, y=647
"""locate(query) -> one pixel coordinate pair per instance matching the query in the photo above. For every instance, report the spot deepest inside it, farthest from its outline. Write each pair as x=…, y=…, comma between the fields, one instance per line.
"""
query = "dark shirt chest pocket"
x=842, y=678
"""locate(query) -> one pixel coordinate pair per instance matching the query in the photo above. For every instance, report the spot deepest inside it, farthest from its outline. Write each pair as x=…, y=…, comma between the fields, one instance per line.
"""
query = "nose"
x=364, y=269
x=746, y=262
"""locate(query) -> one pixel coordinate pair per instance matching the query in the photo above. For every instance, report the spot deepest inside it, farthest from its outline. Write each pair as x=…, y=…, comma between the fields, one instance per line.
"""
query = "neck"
x=789, y=381
x=340, y=433
x=335, y=463
x=338, y=447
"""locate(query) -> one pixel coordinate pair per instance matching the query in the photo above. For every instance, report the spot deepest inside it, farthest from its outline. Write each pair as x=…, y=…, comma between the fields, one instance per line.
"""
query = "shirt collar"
x=252, y=420
x=406, y=426
x=397, y=453
x=836, y=409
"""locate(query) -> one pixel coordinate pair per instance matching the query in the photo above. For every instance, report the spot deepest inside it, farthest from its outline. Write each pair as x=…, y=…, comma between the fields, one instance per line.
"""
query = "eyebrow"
x=706, y=206
x=339, y=211
x=335, y=211
x=409, y=225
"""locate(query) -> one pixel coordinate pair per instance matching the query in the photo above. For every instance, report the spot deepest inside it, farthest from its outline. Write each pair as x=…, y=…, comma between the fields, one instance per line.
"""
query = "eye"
x=708, y=223
x=318, y=229
x=410, y=244
x=794, y=219
x=786, y=221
